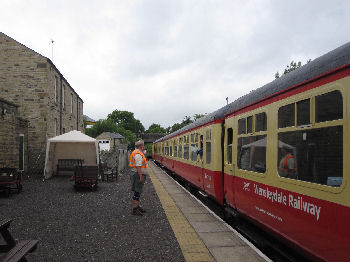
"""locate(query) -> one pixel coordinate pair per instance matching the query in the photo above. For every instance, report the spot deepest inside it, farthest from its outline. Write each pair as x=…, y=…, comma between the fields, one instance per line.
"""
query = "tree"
x=102, y=125
x=291, y=67
x=156, y=128
x=126, y=120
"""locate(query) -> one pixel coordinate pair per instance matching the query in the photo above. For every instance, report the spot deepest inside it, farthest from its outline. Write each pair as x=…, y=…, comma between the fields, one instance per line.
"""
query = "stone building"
x=13, y=137
x=111, y=141
x=44, y=96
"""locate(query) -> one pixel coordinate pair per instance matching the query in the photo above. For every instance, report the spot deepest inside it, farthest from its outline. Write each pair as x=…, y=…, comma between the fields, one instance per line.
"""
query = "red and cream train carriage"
x=304, y=114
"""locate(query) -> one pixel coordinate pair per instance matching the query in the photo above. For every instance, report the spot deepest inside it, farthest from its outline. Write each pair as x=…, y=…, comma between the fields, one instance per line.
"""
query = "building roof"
x=113, y=135
x=88, y=119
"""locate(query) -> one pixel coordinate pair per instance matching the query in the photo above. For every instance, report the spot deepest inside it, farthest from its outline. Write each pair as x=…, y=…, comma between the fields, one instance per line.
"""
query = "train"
x=278, y=156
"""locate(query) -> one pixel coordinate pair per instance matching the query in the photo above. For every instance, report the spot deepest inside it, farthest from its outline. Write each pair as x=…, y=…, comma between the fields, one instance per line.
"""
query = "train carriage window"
x=252, y=153
x=180, y=151
x=186, y=148
x=329, y=106
x=286, y=116
x=242, y=126
x=171, y=150
x=314, y=155
x=260, y=122
x=303, y=112
x=194, y=149
x=229, y=145
x=186, y=153
x=208, y=134
x=175, y=150
x=249, y=124
x=208, y=153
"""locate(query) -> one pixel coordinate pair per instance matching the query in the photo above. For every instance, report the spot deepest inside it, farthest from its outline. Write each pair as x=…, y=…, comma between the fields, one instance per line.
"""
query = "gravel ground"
x=90, y=226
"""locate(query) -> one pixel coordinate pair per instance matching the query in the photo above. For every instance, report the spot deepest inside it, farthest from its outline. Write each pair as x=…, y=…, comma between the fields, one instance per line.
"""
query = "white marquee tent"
x=71, y=145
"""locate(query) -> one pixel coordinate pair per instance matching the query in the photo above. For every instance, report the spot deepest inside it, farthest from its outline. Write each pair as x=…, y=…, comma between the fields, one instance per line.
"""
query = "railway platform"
x=202, y=236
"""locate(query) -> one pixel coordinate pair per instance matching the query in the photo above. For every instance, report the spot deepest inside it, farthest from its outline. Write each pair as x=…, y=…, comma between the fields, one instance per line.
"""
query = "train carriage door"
x=200, y=158
x=229, y=166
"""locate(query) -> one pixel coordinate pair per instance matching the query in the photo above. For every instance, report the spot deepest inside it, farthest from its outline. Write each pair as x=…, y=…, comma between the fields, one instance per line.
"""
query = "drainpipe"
x=61, y=106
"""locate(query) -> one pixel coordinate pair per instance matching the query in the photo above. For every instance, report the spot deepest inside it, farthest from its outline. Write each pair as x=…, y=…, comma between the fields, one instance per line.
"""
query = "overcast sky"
x=164, y=60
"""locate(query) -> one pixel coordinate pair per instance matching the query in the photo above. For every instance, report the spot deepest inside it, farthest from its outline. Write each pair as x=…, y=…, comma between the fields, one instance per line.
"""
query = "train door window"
x=171, y=150
x=329, y=107
x=286, y=116
x=200, y=151
x=303, y=112
x=229, y=145
x=260, y=122
x=250, y=124
x=242, y=126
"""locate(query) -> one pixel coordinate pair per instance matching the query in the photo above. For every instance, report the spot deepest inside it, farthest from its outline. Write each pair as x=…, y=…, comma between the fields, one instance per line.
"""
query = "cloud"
x=164, y=60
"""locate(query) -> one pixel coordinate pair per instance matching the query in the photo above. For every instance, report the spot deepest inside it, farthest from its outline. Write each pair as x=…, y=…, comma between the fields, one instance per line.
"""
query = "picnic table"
x=13, y=250
x=10, y=179
x=86, y=176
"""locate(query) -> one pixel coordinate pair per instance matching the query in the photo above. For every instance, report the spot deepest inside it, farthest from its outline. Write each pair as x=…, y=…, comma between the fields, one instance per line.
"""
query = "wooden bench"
x=15, y=250
x=108, y=174
x=10, y=178
x=86, y=176
x=68, y=164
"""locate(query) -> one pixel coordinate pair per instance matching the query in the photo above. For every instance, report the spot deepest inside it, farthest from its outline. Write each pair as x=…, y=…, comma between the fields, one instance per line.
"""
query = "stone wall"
x=118, y=160
x=11, y=129
x=34, y=83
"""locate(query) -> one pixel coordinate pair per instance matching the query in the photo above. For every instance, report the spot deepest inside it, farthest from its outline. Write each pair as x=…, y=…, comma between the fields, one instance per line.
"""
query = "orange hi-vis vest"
x=132, y=159
x=285, y=163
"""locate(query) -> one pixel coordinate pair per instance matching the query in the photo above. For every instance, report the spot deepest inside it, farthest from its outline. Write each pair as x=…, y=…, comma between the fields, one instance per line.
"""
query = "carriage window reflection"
x=329, y=106
x=303, y=112
x=249, y=124
x=252, y=153
x=175, y=151
x=242, y=126
x=260, y=122
x=180, y=151
x=194, y=149
x=314, y=155
x=186, y=151
x=286, y=116
x=208, y=152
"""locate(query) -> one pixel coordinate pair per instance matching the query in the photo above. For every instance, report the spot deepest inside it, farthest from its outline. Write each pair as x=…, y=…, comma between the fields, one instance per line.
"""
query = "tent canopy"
x=71, y=145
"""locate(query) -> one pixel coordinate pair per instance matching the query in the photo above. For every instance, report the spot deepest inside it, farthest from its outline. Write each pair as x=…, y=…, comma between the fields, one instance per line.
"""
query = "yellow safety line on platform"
x=191, y=245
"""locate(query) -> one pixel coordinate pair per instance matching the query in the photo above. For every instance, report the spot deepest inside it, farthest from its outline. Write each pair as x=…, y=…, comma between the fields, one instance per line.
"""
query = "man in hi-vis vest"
x=138, y=164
